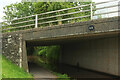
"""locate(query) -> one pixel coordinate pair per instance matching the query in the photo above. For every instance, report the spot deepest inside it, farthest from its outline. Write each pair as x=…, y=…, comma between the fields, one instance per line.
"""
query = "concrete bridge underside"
x=96, y=50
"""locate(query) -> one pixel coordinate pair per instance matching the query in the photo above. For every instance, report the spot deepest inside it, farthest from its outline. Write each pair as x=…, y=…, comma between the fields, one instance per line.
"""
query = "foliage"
x=40, y=51
x=23, y=9
x=10, y=70
x=18, y=10
x=61, y=76
x=51, y=53
x=52, y=6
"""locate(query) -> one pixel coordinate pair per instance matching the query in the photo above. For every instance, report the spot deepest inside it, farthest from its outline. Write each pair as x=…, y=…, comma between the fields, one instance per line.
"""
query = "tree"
x=23, y=9
x=18, y=10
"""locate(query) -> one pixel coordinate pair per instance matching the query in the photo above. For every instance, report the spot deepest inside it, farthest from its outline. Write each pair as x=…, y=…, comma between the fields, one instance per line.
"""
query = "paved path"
x=40, y=73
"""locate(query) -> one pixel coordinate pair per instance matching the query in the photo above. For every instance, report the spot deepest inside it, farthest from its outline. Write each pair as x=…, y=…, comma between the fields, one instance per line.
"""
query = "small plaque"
x=91, y=27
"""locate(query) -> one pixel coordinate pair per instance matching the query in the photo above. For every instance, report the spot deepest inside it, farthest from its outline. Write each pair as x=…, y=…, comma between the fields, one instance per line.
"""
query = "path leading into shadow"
x=75, y=72
x=39, y=72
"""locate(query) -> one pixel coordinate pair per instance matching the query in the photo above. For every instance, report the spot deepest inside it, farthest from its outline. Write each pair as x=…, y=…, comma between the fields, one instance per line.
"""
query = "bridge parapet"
x=101, y=25
x=79, y=15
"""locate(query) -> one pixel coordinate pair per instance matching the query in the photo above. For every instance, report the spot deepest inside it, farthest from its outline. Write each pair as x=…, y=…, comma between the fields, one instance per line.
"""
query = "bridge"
x=96, y=43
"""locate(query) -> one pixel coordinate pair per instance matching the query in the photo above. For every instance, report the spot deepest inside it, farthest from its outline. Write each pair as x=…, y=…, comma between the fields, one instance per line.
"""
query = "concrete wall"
x=95, y=54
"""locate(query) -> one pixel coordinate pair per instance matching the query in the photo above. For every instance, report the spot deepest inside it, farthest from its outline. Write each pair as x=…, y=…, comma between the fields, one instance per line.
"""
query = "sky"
x=3, y=3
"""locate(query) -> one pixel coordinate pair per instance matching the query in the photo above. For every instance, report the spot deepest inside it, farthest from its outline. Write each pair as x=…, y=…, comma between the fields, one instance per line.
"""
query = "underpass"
x=96, y=50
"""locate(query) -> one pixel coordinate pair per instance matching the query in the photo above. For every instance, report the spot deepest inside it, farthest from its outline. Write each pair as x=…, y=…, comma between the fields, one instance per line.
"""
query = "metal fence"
x=58, y=17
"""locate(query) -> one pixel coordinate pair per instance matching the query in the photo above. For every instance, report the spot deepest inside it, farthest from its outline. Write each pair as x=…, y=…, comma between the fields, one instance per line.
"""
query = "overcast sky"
x=7, y=2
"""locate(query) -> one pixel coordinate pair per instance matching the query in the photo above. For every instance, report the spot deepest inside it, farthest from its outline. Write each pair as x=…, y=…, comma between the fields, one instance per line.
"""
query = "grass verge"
x=10, y=70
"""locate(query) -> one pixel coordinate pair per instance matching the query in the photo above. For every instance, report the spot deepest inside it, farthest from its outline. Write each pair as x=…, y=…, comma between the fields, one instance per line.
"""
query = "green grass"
x=61, y=76
x=10, y=70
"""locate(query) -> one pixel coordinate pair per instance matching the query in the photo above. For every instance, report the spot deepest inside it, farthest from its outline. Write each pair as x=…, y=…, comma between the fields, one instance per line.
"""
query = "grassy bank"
x=10, y=70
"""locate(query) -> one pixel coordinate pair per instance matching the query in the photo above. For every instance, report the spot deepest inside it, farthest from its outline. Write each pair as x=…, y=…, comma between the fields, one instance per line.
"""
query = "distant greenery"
x=10, y=70
x=50, y=53
x=23, y=9
x=18, y=10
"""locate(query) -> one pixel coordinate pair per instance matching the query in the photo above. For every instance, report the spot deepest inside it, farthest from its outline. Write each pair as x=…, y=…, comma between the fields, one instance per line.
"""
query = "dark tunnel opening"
x=63, y=64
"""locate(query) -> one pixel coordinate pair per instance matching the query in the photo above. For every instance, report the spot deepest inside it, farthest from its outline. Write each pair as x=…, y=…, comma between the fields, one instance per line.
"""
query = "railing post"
x=91, y=11
x=36, y=21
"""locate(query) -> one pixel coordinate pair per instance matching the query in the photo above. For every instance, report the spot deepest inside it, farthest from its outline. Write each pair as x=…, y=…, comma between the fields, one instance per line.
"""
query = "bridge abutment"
x=11, y=48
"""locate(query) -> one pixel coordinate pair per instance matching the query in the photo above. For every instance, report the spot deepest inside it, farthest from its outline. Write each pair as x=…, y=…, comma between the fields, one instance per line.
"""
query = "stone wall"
x=11, y=47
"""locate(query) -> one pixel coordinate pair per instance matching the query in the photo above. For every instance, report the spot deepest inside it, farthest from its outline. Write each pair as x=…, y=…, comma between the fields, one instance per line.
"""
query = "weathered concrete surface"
x=96, y=54
x=62, y=34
